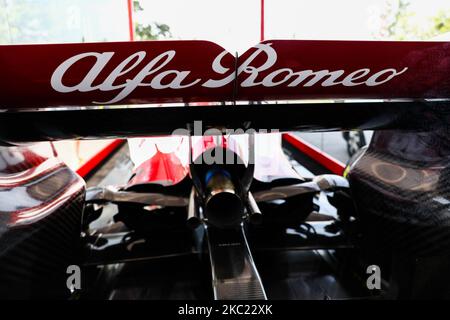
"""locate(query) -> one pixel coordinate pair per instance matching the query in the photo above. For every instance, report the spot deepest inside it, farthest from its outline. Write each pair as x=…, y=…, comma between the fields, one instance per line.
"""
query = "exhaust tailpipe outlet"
x=224, y=207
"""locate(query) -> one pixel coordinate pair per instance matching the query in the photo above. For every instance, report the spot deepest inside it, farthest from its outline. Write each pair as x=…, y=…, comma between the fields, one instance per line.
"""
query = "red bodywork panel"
x=189, y=71
x=162, y=168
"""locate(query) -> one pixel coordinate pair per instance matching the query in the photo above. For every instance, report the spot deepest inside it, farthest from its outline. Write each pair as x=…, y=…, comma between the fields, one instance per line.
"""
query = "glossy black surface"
x=397, y=216
x=401, y=187
x=41, y=205
x=129, y=122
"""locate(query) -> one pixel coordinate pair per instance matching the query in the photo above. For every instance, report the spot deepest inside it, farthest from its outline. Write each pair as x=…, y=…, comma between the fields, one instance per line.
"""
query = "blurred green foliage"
x=152, y=31
x=405, y=26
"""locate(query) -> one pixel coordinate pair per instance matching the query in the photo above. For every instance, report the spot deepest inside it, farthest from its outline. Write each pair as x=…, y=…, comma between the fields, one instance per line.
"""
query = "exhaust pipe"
x=224, y=207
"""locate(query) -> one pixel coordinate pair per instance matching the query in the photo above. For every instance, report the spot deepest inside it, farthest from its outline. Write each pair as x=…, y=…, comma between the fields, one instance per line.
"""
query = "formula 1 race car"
x=210, y=196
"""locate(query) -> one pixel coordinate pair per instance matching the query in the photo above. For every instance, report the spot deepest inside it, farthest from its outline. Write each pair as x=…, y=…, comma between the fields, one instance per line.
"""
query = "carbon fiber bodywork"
x=41, y=205
x=400, y=186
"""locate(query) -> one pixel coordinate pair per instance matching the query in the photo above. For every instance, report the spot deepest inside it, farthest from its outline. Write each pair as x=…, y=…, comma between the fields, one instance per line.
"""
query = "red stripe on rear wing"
x=192, y=71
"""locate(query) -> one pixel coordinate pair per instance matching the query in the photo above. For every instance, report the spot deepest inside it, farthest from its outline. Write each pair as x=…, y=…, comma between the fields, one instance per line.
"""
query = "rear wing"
x=60, y=91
